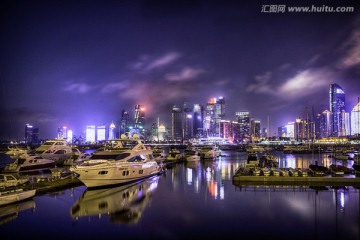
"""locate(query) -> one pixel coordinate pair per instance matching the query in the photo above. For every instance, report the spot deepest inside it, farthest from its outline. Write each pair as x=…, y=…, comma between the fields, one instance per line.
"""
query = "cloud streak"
x=77, y=87
x=185, y=74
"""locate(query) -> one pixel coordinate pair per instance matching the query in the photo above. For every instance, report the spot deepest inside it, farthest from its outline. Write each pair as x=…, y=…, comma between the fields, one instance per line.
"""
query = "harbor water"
x=191, y=201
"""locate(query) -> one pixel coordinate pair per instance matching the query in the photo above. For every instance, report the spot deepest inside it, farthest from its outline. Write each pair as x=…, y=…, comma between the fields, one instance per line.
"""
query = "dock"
x=50, y=186
x=296, y=181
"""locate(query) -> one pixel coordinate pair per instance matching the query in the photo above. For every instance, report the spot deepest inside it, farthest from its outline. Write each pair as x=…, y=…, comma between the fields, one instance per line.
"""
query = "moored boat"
x=29, y=163
x=17, y=195
x=126, y=164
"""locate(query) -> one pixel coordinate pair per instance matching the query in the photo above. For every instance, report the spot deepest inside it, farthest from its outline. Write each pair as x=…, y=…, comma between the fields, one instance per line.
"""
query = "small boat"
x=194, y=156
x=274, y=172
x=12, y=180
x=301, y=172
x=174, y=155
x=17, y=195
x=293, y=172
x=15, y=152
x=29, y=163
x=264, y=172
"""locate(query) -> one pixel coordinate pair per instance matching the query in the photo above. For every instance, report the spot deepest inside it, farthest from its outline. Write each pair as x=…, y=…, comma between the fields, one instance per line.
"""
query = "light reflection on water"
x=198, y=199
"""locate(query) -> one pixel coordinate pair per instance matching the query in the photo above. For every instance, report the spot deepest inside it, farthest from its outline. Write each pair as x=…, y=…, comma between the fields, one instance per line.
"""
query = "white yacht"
x=192, y=156
x=29, y=163
x=15, y=152
x=130, y=161
x=57, y=150
x=174, y=155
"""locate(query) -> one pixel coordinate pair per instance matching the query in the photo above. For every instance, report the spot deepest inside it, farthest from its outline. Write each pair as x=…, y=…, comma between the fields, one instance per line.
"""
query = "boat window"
x=103, y=172
x=141, y=171
x=48, y=143
x=104, y=156
x=59, y=143
x=122, y=156
x=138, y=158
x=125, y=173
x=11, y=178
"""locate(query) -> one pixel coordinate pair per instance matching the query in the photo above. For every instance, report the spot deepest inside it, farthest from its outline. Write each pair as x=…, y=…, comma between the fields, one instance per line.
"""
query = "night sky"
x=76, y=63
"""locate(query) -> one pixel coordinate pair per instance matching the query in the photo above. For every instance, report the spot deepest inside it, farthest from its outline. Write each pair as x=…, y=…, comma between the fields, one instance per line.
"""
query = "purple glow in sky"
x=77, y=63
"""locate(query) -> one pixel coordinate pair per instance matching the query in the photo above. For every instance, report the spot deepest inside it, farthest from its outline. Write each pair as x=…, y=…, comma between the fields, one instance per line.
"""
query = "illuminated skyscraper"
x=214, y=113
x=198, y=119
x=101, y=133
x=325, y=124
x=28, y=132
x=176, y=124
x=62, y=132
x=337, y=105
x=112, y=131
x=255, y=128
x=125, y=122
x=187, y=121
x=355, y=120
x=139, y=124
x=243, y=118
x=90, y=134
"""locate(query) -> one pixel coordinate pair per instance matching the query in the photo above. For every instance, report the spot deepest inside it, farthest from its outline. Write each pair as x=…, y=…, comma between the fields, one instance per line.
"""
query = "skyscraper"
x=198, y=119
x=139, y=124
x=243, y=118
x=187, y=121
x=125, y=123
x=337, y=105
x=355, y=119
x=176, y=123
x=112, y=131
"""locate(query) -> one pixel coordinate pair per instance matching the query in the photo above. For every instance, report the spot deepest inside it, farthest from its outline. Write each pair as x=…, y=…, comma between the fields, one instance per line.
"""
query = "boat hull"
x=15, y=196
x=115, y=175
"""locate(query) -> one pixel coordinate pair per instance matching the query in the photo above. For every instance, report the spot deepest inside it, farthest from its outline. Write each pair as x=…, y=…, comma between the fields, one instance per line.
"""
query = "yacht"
x=174, y=155
x=130, y=161
x=29, y=163
x=209, y=152
x=192, y=156
x=15, y=152
x=57, y=150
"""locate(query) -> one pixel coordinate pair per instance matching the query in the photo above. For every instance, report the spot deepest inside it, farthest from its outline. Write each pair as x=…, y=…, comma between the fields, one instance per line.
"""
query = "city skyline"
x=74, y=63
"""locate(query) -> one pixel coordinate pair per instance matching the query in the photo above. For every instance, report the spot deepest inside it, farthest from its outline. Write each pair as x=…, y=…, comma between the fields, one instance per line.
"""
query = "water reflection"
x=123, y=204
x=11, y=212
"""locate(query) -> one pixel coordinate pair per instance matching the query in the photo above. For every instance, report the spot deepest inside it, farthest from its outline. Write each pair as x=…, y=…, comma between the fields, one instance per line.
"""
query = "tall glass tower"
x=355, y=119
x=176, y=124
x=337, y=105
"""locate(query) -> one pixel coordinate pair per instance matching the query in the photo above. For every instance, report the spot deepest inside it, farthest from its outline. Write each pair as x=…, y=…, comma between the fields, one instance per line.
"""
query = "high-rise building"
x=187, y=121
x=344, y=123
x=101, y=133
x=337, y=105
x=198, y=119
x=125, y=123
x=139, y=124
x=219, y=114
x=243, y=118
x=214, y=113
x=90, y=134
x=62, y=132
x=255, y=128
x=355, y=119
x=28, y=133
x=325, y=124
x=112, y=131
x=176, y=124
x=290, y=130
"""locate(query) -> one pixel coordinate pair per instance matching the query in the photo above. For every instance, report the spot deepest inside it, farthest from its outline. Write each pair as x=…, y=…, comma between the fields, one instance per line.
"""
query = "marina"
x=189, y=196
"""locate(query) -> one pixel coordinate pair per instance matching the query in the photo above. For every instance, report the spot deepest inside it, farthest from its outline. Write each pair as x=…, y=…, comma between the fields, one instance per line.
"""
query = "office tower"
x=139, y=124
x=69, y=136
x=101, y=133
x=243, y=118
x=187, y=121
x=90, y=134
x=35, y=135
x=282, y=132
x=290, y=130
x=198, y=118
x=112, y=131
x=337, y=105
x=62, y=132
x=301, y=129
x=325, y=126
x=219, y=114
x=255, y=128
x=355, y=119
x=176, y=124
x=344, y=124
x=28, y=132
x=209, y=121
x=125, y=123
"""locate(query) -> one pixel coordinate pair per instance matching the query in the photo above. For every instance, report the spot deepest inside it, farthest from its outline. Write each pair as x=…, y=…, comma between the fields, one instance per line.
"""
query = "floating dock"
x=296, y=181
